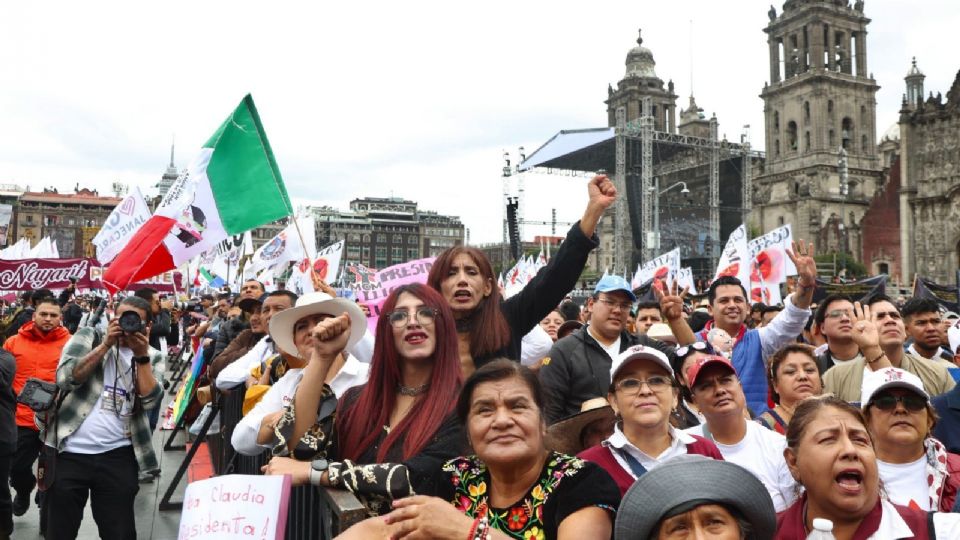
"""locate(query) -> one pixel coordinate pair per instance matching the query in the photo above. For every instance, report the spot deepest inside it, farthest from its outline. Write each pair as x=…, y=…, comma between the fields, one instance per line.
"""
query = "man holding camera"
x=36, y=349
x=101, y=436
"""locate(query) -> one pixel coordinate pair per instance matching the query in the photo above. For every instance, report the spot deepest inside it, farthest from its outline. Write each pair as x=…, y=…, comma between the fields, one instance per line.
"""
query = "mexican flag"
x=232, y=185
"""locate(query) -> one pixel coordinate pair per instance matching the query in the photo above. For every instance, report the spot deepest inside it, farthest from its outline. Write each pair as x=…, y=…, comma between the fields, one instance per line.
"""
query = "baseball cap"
x=891, y=377
x=637, y=352
x=694, y=371
x=611, y=283
x=249, y=304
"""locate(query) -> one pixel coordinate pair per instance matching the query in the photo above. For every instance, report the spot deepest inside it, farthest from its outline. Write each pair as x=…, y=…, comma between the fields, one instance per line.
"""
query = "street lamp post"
x=655, y=234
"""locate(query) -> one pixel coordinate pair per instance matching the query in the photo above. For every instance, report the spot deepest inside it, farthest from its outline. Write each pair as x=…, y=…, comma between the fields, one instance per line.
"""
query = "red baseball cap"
x=694, y=371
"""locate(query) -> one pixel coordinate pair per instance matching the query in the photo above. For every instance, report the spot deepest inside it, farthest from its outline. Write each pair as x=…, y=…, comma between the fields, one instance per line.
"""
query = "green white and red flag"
x=232, y=185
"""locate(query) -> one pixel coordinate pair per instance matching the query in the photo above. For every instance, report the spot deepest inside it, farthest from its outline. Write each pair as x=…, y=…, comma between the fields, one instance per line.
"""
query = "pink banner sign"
x=374, y=289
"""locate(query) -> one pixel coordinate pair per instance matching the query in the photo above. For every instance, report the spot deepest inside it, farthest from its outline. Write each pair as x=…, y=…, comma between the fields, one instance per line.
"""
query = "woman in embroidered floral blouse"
x=513, y=487
x=391, y=433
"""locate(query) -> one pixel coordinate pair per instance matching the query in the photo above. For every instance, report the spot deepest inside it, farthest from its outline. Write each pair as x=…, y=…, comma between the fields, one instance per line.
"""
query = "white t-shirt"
x=244, y=439
x=906, y=482
x=613, y=350
x=108, y=425
x=761, y=452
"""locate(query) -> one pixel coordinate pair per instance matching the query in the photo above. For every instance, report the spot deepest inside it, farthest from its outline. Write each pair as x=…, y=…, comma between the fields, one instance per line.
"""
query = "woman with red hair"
x=489, y=327
x=391, y=434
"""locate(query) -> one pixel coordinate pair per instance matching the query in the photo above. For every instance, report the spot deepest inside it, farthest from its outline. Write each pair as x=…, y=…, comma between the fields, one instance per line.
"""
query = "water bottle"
x=822, y=530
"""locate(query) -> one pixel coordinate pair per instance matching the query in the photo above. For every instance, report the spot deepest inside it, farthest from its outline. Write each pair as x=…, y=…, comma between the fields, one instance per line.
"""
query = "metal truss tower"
x=622, y=237
x=646, y=180
x=714, y=191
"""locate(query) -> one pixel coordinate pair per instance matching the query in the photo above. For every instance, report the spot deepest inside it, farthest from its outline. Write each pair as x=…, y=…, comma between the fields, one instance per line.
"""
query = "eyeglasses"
x=425, y=315
x=631, y=387
x=911, y=402
x=837, y=313
x=613, y=305
x=696, y=346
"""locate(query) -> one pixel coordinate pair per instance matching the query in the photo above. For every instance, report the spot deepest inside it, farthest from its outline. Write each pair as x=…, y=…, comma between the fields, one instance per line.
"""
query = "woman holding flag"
x=489, y=327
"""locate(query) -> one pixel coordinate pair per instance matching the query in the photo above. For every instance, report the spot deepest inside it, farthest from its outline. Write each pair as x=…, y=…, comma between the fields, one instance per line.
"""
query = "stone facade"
x=71, y=219
x=820, y=99
x=381, y=232
x=639, y=81
x=930, y=174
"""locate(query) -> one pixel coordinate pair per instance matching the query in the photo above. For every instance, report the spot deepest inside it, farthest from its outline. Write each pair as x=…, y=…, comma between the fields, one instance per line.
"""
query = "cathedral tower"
x=640, y=81
x=821, y=166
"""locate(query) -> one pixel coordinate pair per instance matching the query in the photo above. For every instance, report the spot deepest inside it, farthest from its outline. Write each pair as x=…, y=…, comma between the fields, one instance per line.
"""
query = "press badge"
x=115, y=400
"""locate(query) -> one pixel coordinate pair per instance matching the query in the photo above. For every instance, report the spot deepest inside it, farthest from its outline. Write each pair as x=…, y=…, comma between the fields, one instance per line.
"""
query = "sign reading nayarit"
x=235, y=506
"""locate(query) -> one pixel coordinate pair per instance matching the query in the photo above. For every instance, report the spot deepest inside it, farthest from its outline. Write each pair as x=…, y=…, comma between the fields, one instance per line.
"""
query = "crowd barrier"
x=313, y=513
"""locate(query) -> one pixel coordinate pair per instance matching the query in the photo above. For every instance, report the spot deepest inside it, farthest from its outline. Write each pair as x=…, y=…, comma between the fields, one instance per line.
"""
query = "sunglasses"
x=911, y=402
x=697, y=346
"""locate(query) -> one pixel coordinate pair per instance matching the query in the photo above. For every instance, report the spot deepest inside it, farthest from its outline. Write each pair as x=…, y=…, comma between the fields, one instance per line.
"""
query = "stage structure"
x=716, y=171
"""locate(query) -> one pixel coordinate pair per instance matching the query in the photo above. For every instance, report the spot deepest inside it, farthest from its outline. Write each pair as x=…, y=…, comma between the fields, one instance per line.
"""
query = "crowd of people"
x=653, y=417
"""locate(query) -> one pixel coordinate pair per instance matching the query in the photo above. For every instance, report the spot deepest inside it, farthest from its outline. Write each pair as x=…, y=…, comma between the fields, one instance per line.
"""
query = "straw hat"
x=564, y=436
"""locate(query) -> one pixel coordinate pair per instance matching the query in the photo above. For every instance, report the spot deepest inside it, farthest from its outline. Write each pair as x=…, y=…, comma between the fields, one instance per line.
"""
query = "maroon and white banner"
x=29, y=274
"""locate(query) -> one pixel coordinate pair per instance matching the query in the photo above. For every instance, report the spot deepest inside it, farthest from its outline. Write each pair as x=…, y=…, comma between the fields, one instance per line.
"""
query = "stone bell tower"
x=822, y=166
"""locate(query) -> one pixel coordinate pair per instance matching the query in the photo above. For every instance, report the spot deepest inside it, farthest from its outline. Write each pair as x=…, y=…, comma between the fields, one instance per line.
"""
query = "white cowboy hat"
x=281, y=324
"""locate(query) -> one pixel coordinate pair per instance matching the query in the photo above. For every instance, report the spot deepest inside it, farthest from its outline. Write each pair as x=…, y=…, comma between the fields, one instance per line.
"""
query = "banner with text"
x=855, y=290
x=24, y=274
x=120, y=226
x=236, y=506
x=944, y=295
x=373, y=289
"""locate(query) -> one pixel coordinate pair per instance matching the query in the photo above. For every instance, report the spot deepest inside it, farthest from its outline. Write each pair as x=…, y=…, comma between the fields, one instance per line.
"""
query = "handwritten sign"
x=236, y=506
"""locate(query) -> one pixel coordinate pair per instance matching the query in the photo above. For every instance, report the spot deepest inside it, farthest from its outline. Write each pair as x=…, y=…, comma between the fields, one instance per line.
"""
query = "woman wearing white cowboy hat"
x=292, y=332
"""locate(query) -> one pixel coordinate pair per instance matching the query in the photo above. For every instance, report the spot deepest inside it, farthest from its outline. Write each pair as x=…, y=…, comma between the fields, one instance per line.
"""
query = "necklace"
x=788, y=410
x=412, y=391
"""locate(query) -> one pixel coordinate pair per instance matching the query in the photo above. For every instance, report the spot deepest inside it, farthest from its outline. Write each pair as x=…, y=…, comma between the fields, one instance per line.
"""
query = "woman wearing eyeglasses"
x=793, y=377
x=643, y=393
x=686, y=414
x=392, y=433
x=915, y=468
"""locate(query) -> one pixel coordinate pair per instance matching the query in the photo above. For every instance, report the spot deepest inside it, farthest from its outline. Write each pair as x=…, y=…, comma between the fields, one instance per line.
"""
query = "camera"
x=131, y=323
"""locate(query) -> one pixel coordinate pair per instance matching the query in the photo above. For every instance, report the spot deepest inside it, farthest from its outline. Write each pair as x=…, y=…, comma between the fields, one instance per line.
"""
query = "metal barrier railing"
x=313, y=513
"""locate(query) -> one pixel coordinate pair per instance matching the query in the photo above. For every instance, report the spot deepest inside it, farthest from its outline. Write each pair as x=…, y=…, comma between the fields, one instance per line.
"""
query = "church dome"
x=892, y=133
x=914, y=70
x=640, y=61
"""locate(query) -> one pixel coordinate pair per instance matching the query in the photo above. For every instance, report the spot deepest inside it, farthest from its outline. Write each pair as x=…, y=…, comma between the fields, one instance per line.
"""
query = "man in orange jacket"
x=36, y=348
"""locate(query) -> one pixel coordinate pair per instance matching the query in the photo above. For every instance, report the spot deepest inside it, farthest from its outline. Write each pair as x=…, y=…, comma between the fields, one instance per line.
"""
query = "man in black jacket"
x=578, y=367
x=8, y=440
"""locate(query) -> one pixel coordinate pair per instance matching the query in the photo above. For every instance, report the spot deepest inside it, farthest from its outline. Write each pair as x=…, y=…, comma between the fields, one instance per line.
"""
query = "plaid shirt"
x=83, y=397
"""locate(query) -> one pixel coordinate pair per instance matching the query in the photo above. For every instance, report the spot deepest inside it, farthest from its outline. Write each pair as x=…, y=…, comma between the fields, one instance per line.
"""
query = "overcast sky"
x=410, y=99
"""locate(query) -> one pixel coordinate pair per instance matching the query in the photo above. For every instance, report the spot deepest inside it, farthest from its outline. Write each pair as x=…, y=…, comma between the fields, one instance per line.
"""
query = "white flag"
x=285, y=247
x=120, y=226
x=735, y=259
x=326, y=265
x=666, y=267
x=685, y=279
x=770, y=265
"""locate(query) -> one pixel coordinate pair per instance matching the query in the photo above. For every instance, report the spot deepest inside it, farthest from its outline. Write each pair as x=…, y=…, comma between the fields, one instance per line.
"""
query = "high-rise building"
x=169, y=176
